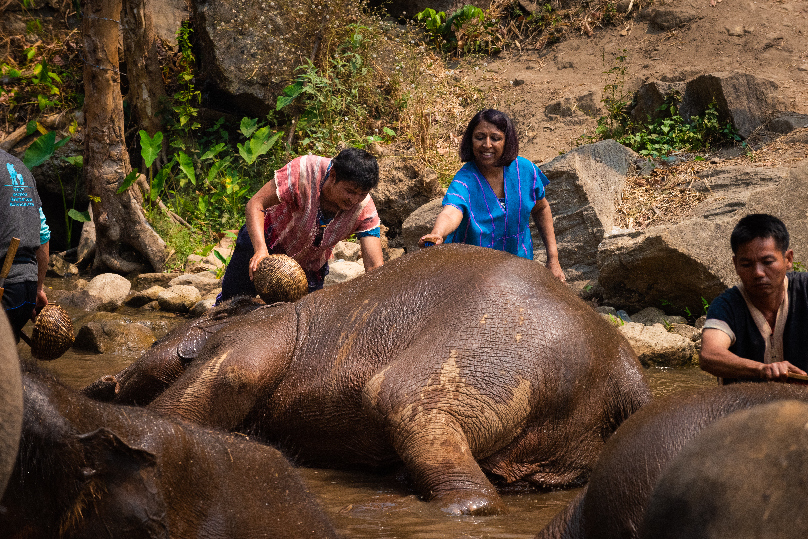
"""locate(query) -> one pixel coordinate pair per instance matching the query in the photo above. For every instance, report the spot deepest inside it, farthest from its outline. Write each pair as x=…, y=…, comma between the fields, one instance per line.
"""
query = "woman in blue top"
x=493, y=196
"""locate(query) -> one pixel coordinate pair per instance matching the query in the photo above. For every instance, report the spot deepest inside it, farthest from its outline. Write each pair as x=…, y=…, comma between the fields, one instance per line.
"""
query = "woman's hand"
x=437, y=239
x=555, y=269
x=256, y=259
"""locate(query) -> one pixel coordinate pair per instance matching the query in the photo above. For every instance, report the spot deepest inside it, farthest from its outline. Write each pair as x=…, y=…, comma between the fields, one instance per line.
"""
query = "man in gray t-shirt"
x=756, y=331
x=21, y=217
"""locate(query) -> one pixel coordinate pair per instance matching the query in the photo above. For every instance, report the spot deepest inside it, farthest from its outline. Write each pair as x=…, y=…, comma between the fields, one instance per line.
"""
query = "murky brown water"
x=366, y=505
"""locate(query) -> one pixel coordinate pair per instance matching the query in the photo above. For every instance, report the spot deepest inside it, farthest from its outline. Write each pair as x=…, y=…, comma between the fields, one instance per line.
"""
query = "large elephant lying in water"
x=458, y=360
x=614, y=502
x=89, y=470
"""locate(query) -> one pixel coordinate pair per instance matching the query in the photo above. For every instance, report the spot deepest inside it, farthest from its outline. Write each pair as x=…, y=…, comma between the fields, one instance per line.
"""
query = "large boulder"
x=404, y=186
x=107, y=333
x=683, y=262
x=651, y=96
x=654, y=345
x=111, y=290
x=584, y=192
x=743, y=99
x=420, y=222
x=249, y=50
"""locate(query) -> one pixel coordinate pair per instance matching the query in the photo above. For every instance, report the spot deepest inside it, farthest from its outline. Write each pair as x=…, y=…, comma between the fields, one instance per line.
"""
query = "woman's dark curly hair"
x=501, y=121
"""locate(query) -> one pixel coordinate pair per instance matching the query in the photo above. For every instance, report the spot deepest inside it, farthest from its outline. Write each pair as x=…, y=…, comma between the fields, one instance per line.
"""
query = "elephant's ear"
x=126, y=488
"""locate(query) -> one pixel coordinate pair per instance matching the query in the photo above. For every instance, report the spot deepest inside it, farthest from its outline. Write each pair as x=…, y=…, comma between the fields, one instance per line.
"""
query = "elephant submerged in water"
x=88, y=469
x=459, y=361
x=613, y=504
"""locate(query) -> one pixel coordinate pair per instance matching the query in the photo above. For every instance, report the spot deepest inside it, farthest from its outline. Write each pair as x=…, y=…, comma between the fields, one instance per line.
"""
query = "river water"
x=372, y=505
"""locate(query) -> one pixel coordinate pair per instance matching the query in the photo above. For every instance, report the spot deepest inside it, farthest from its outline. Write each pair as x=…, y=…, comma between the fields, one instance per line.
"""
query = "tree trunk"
x=146, y=88
x=124, y=239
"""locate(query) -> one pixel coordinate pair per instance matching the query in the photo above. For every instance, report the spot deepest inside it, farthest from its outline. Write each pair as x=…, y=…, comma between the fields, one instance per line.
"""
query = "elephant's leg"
x=441, y=424
x=239, y=367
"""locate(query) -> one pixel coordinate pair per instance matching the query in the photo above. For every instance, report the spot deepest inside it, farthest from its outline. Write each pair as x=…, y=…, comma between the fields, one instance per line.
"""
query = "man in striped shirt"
x=311, y=204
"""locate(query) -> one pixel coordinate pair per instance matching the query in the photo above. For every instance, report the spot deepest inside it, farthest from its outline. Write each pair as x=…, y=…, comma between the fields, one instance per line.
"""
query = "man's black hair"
x=759, y=225
x=356, y=166
x=501, y=121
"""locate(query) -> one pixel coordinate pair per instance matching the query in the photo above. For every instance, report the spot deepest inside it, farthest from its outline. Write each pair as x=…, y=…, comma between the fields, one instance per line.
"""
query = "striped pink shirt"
x=292, y=224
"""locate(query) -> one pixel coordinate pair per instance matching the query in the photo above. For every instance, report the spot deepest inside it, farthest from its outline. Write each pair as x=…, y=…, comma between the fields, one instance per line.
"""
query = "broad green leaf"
x=29, y=54
x=219, y=256
x=77, y=160
x=159, y=181
x=61, y=143
x=289, y=94
x=31, y=128
x=150, y=146
x=128, y=181
x=187, y=166
x=258, y=145
x=389, y=132
x=213, y=151
x=80, y=216
x=40, y=151
x=217, y=166
x=248, y=126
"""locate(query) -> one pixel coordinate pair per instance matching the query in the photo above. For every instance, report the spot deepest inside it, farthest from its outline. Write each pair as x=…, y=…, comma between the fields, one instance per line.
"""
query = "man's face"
x=341, y=195
x=762, y=267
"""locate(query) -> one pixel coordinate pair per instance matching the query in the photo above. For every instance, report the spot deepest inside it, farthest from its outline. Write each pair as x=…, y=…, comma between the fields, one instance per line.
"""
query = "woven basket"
x=53, y=333
x=280, y=278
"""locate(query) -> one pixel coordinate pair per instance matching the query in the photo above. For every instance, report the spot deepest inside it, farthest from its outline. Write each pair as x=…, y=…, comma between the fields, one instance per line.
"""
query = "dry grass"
x=667, y=193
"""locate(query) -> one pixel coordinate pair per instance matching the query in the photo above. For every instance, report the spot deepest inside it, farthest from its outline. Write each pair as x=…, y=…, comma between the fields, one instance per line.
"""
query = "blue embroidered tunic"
x=485, y=222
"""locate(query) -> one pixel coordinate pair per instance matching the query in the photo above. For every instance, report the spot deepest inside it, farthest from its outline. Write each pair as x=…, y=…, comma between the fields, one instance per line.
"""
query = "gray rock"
x=585, y=189
x=111, y=290
x=654, y=345
x=420, y=222
x=201, y=307
x=106, y=333
x=205, y=282
x=147, y=280
x=652, y=315
x=143, y=297
x=650, y=97
x=404, y=186
x=787, y=123
x=178, y=298
x=690, y=260
x=347, y=250
x=686, y=331
x=340, y=271
x=743, y=99
x=670, y=19
x=59, y=267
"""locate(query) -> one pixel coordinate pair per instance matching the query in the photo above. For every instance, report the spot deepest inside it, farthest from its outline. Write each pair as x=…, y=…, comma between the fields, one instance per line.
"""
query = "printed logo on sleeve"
x=22, y=193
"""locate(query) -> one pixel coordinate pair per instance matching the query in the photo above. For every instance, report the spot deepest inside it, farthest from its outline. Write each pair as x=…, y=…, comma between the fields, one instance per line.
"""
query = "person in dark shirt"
x=758, y=330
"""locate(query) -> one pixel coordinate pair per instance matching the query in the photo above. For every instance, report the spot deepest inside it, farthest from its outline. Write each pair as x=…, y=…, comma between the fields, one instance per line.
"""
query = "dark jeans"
x=236, y=280
x=19, y=300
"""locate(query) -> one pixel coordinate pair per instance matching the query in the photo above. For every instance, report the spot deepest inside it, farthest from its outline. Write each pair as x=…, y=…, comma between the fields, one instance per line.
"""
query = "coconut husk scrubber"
x=280, y=278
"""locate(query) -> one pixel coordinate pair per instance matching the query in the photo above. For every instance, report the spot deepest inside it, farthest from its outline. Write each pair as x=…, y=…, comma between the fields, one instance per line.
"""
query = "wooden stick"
x=10, y=254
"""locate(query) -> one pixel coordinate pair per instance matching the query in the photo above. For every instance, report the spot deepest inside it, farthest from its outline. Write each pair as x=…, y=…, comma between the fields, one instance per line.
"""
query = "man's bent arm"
x=716, y=359
x=372, y=256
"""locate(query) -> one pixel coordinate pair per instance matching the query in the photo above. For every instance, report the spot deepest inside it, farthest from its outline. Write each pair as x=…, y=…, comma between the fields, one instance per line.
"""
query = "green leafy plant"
x=799, y=267
x=465, y=31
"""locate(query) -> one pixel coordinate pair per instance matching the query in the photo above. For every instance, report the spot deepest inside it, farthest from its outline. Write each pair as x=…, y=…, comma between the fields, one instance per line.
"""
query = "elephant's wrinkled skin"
x=743, y=476
x=90, y=470
x=10, y=401
x=453, y=359
x=612, y=505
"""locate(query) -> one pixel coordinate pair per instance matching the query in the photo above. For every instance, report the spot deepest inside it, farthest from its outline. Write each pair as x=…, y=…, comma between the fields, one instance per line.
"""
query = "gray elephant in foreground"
x=744, y=476
x=459, y=361
x=88, y=469
x=10, y=401
x=614, y=502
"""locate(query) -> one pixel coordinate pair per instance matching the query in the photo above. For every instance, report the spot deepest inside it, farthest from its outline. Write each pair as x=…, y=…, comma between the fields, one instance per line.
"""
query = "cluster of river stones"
x=152, y=302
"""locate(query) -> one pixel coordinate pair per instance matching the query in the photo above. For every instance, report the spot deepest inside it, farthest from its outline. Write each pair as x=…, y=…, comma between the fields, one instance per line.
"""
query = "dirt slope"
x=765, y=38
